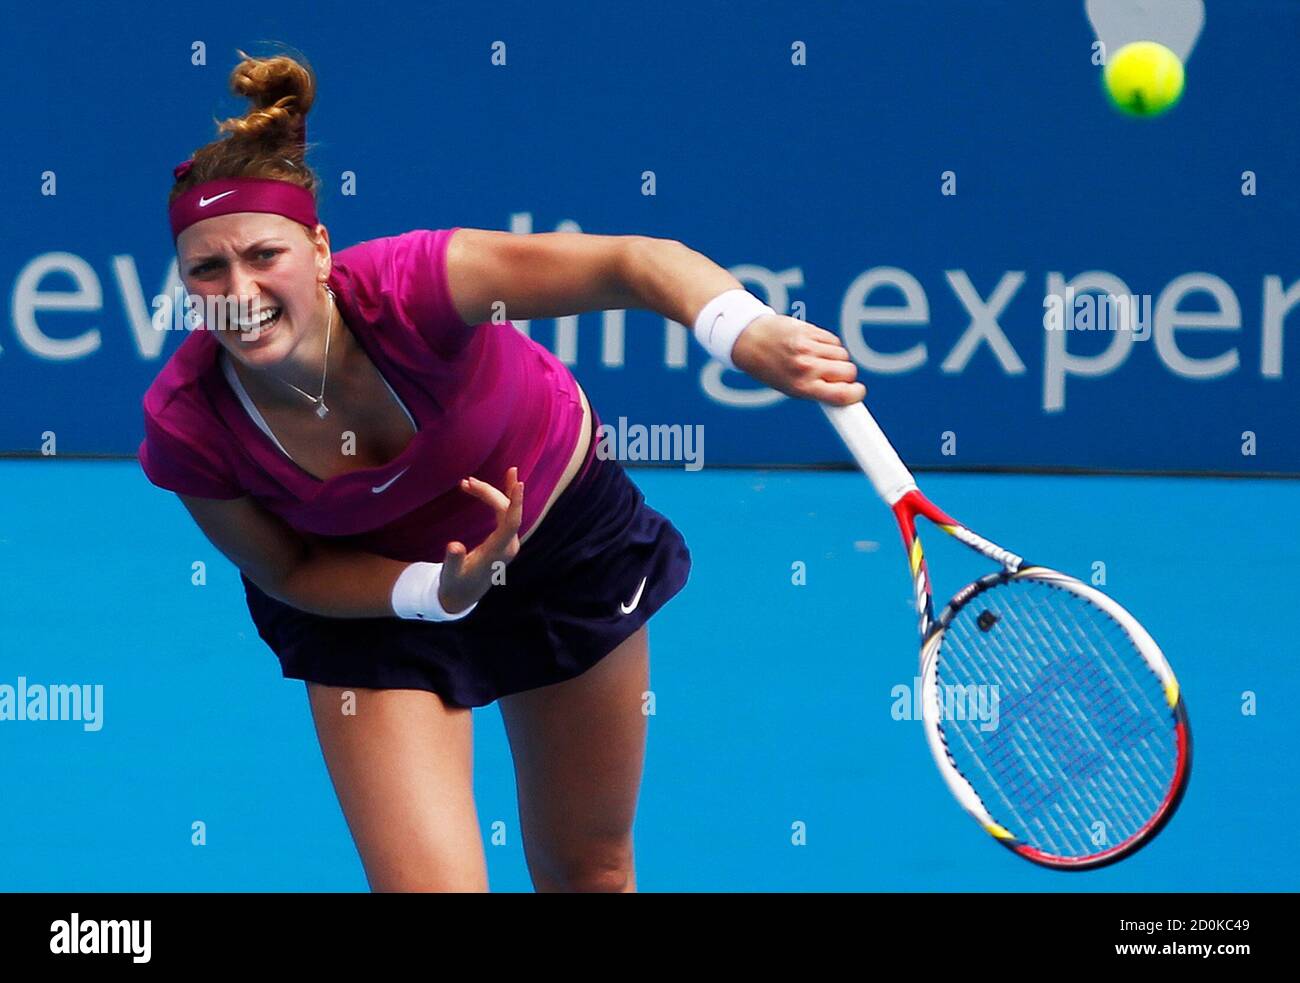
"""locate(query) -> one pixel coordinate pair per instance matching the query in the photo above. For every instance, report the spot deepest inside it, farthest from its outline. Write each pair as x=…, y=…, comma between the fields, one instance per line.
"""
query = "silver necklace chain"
x=322, y=410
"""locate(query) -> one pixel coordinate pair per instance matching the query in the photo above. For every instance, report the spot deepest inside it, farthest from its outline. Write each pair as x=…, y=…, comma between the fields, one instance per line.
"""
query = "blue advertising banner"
x=1025, y=277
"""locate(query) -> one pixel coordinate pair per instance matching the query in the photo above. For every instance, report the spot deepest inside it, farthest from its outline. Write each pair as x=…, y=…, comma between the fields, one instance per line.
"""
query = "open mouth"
x=263, y=323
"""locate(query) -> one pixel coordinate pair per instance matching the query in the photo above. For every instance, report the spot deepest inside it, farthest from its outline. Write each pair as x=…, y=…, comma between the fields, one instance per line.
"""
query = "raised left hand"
x=467, y=574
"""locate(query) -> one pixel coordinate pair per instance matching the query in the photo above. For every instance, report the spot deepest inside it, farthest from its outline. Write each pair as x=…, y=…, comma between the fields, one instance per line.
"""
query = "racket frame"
x=895, y=484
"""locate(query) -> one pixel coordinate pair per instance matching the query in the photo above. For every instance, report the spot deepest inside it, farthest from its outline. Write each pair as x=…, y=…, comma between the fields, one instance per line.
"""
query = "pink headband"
x=239, y=194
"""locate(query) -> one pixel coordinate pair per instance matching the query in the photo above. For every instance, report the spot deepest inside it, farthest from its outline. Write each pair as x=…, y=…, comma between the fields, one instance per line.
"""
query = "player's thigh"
x=579, y=752
x=402, y=766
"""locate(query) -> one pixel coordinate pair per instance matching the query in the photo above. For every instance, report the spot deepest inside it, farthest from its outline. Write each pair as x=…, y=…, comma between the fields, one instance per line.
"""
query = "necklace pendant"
x=322, y=411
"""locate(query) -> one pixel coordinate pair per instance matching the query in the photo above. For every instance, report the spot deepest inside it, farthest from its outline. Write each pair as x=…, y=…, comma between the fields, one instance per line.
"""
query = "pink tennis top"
x=483, y=398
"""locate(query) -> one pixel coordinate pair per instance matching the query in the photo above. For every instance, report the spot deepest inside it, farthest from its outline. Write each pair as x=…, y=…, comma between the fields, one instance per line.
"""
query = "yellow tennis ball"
x=1144, y=78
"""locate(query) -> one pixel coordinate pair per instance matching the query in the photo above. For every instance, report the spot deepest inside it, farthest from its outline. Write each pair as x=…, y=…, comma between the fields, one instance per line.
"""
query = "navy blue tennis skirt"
x=600, y=564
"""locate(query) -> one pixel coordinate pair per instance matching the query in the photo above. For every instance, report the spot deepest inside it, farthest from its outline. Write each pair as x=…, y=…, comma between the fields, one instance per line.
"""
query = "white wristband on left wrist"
x=415, y=594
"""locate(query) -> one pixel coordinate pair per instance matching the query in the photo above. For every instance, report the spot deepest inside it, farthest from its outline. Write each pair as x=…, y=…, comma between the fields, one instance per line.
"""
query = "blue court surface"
x=772, y=700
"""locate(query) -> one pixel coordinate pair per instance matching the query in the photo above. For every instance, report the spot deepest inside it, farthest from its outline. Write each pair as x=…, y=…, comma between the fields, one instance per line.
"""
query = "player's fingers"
x=822, y=336
x=504, y=539
x=515, y=513
x=508, y=522
x=485, y=492
x=511, y=514
x=454, y=560
x=834, y=351
x=836, y=393
x=832, y=371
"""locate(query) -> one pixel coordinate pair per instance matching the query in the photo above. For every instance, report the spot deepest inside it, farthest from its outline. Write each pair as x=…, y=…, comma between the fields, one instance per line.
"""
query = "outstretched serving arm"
x=556, y=274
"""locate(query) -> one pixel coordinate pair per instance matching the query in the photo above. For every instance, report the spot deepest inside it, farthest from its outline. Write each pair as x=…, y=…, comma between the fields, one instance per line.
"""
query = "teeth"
x=262, y=318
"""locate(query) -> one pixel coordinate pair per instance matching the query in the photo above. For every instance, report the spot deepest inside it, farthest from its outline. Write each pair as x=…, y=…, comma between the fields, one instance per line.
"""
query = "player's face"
x=261, y=273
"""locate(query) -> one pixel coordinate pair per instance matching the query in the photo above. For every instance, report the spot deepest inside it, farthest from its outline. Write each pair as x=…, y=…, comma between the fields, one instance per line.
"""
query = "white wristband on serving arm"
x=719, y=325
x=415, y=595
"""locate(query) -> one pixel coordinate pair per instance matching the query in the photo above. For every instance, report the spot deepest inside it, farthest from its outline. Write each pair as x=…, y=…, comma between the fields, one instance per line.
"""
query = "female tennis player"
x=411, y=491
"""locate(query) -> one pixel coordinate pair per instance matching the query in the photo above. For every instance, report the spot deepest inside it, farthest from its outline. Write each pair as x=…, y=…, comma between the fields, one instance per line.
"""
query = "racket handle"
x=872, y=450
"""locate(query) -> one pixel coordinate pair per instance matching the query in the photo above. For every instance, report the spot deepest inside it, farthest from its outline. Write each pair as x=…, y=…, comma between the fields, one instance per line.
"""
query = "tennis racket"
x=1089, y=749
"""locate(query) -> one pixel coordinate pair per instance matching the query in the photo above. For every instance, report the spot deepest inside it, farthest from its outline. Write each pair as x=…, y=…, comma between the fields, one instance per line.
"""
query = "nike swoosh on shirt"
x=629, y=608
x=205, y=202
x=384, y=486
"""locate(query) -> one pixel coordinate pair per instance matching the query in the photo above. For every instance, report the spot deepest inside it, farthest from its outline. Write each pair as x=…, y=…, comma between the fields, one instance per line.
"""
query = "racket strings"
x=1133, y=723
x=1039, y=779
x=1074, y=731
x=1017, y=752
x=1019, y=748
x=1032, y=730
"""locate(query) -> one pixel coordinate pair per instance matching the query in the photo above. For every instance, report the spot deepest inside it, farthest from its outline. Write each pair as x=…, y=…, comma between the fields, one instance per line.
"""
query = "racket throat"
x=1010, y=561
x=922, y=593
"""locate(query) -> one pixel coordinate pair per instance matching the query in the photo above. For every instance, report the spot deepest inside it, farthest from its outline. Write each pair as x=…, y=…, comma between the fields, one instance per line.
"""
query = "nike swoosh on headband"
x=205, y=202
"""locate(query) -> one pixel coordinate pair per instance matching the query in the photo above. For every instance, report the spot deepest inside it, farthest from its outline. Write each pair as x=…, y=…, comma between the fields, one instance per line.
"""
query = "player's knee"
x=429, y=882
x=604, y=869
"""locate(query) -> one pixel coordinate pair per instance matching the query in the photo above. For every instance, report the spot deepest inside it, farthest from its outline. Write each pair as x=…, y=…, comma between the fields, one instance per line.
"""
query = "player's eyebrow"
x=198, y=261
